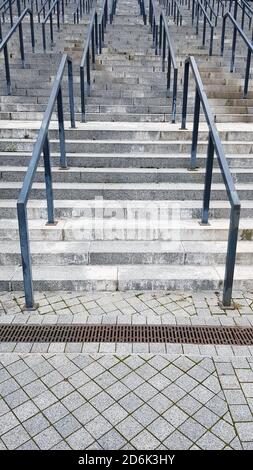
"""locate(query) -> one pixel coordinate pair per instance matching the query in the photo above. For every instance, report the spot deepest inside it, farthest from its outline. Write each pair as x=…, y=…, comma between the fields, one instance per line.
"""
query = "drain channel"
x=127, y=334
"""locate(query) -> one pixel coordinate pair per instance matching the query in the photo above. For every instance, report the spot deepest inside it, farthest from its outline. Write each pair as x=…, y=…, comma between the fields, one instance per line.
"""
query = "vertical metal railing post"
x=71, y=94
x=63, y=159
x=231, y=255
x=82, y=94
x=7, y=69
x=195, y=131
x=25, y=255
x=185, y=95
x=208, y=180
x=49, y=182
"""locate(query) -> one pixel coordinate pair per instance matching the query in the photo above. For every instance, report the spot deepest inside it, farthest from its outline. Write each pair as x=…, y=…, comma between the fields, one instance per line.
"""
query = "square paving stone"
x=7, y=422
x=26, y=410
x=130, y=402
x=35, y=388
x=26, y=377
x=172, y=372
x=224, y=431
x=8, y=386
x=48, y=438
x=245, y=431
x=16, y=398
x=145, y=440
x=115, y=413
x=159, y=362
x=120, y=370
x=89, y=390
x=210, y=442
x=4, y=408
x=186, y=383
x=177, y=441
x=80, y=440
x=159, y=381
x=160, y=403
x=101, y=401
x=94, y=369
x=112, y=440
x=98, y=427
x=146, y=371
x=192, y=429
x=129, y=428
x=145, y=391
x=174, y=393
x=29, y=445
x=160, y=428
x=118, y=390
x=201, y=394
x=134, y=361
x=85, y=413
x=105, y=379
x=15, y=437
x=67, y=425
x=175, y=416
x=78, y=379
x=52, y=378
x=62, y=389
x=217, y=405
x=132, y=380
x=73, y=401
x=189, y=404
x=36, y=424
x=206, y=417
x=145, y=415
x=55, y=412
x=235, y=397
x=44, y=400
x=241, y=413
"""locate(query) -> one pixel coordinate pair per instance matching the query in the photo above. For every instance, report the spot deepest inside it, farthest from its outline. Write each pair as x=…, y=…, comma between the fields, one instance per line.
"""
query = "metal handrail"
x=42, y=145
x=173, y=9
x=246, y=10
x=199, y=7
x=4, y=44
x=143, y=11
x=214, y=145
x=154, y=24
x=95, y=42
x=9, y=6
x=47, y=3
x=49, y=15
x=248, y=43
x=82, y=7
x=165, y=40
x=206, y=4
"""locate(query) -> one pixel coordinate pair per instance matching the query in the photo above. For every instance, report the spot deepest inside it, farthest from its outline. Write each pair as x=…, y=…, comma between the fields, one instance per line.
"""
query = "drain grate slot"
x=127, y=334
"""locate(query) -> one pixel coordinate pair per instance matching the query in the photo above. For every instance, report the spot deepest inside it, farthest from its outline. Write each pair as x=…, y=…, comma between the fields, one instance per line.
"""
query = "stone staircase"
x=128, y=208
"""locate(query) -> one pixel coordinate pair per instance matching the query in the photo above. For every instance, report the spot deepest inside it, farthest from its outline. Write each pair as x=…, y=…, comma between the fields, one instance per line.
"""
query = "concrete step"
x=109, y=278
x=68, y=253
x=142, y=226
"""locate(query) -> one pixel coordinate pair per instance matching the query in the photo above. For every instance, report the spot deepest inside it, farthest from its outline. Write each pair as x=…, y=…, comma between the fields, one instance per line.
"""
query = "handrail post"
x=96, y=31
x=7, y=69
x=232, y=63
x=185, y=95
x=223, y=36
x=44, y=37
x=211, y=42
x=88, y=71
x=63, y=161
x=195, y=131
x=208, y=180
x=231, y=255
x=25, y=255
x=247, y=74
x=93, y=53
x=160, y=34
x=51, y=29
x=71, y=94
x=164, y=49
x=11, y=13
x=48, y=180
x=174, y=97
x=82, y=94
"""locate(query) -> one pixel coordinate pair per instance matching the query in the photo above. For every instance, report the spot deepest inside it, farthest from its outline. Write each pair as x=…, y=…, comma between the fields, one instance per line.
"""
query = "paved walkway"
x=124, y=396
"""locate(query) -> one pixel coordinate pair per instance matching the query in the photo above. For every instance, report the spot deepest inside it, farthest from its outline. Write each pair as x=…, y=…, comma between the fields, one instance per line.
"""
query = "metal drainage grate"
x=127, y=334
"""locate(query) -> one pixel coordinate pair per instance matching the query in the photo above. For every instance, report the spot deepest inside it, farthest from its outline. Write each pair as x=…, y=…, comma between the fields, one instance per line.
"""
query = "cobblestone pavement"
x=80, y=401
x=126, y=396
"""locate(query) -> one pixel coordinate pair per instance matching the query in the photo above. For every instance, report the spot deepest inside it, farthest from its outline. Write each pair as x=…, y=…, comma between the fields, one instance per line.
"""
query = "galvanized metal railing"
x=154, y=24
x=173, y=9
x=83, y=7
x=246, y=10
x=46, y=5
x=214, y=146
x=42, y=145
x=143, y=11
x=165, y=42
x=5, y=7
x=94, y=44
x=57, y=4
x=196, y=10
x=4, y=44
x=247, y=42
